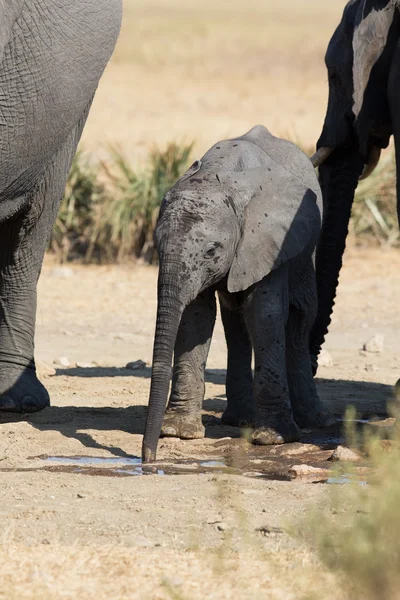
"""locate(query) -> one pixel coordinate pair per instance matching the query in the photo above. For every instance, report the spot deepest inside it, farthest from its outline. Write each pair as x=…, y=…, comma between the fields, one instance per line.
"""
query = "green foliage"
x=109, y=211
x=132, y=216
x=374, y=212
x=358, y=537
x=75, y=219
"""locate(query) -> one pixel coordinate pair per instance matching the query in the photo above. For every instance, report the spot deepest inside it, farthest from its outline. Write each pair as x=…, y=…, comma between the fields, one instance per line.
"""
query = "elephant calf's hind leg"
x=183, y=415
x=265, y=315
x=307, y=407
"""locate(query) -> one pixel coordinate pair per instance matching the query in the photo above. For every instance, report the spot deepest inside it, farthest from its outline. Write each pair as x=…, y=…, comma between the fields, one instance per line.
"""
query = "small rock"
x=223, y=526
x=135, y=365
x=85, y=365
x=143, y=542
x=214, y=519
x=344, y=454
x=44, y=369
x=374, y=344
x=61, y=272
x=78, y=495
x=63, y=361
x=325, y=359
x=371, y=368
x=307, y=470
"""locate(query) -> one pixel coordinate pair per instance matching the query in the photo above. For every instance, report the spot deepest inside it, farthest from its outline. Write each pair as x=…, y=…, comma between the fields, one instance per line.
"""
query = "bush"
x=359, y=537
x=75, y=220
x=115, y=219
x=374, y=214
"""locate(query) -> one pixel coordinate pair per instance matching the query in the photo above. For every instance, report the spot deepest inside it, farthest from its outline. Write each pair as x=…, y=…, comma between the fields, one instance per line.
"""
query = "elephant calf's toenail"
x=29, y=404
x=7, y=403
x=169, y=431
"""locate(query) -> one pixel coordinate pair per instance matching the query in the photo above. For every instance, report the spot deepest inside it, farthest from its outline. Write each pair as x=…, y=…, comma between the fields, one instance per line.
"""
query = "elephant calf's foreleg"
x=266, y=314
x=239, y=378
x=183, y=415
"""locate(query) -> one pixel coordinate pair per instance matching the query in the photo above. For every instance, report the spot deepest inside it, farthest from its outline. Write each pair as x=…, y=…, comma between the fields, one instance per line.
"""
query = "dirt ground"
x=78, y=527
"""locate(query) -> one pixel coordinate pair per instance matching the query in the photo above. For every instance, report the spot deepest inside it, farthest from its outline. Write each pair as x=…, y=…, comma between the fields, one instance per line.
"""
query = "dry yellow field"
x=185, y=70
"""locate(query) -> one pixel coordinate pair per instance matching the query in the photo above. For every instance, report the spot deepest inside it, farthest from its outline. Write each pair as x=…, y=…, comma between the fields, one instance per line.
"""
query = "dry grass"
x=359, y=538
x=185, y=70
x=53, y=572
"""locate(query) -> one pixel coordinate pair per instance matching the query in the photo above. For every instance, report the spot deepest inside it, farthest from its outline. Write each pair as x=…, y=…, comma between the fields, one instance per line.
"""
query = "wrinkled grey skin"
x=244, y=222
x=363, y=63
x=52, y=54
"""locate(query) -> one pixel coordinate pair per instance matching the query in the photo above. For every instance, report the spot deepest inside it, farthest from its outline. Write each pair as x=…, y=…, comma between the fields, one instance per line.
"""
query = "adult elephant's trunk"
x=338, y=178
x=169, y=313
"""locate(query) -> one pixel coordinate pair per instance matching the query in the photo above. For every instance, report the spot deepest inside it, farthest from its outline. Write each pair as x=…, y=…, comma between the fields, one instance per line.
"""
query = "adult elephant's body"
x=52, y=55
x=363, y=62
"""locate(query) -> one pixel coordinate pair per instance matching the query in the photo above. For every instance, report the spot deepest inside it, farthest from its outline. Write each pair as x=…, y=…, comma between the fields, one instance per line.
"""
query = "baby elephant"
x=243, y=221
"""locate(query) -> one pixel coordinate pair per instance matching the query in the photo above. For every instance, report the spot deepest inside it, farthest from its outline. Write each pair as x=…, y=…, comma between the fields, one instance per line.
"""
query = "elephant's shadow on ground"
x=369, y=398
x=216, y=376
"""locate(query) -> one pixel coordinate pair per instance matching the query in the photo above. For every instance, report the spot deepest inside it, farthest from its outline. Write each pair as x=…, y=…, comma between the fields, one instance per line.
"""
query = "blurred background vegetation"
x=110, y=208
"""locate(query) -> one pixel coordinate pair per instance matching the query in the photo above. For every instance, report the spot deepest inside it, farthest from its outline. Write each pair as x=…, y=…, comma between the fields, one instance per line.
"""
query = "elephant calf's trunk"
x=169, y=315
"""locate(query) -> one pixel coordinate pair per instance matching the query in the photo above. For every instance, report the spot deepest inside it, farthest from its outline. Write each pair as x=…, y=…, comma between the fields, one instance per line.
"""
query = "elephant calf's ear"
x=280, y=221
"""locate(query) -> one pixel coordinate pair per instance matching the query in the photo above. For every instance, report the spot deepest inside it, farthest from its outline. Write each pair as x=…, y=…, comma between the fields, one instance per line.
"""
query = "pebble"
x=63, y=361
x=344, y=454
x=374, y=344
x=78, y=495
x=306, y=470
x=62, y=272
x=223, y=526
x=85, y=365
x=143, y=542
x=135, y=365
x=325, y=359
x=44, y=369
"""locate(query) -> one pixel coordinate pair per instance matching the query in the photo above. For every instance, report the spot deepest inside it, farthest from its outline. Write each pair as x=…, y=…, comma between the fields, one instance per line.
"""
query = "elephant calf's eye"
x=210, y=250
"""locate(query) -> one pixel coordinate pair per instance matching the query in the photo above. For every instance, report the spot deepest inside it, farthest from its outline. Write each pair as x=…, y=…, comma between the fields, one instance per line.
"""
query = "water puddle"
x=272, y=464
x=91, y=460
x=344, y=480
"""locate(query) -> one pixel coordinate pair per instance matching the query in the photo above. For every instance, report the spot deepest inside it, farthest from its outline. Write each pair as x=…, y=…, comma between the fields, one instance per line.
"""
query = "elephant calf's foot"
x=239, y=415
x=21, y=391
x=280, y=433
x=315, y=417
x=182, y=426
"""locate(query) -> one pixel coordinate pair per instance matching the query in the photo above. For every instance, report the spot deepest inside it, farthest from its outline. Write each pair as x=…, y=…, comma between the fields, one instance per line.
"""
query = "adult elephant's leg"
x=240, y=410
x=23, y=242
x=307, y=408
x=266, y=312
x=183, y=415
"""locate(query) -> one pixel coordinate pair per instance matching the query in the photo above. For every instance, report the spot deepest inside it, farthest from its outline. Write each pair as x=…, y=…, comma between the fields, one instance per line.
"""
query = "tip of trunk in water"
x=148, y=455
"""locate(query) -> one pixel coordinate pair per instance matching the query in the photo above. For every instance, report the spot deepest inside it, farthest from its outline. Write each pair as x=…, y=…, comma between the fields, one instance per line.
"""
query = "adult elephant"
x=52, y=55
x=363, y=62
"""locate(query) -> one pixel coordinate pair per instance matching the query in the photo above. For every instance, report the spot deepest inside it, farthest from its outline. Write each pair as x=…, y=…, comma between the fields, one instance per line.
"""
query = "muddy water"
x=308, y=459
x=227, y=456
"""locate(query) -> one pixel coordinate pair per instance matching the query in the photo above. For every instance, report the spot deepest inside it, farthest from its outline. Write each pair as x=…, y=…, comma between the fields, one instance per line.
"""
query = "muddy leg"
x=307, y=408
x=266, y=311
x=240, y=410
x=183, y=416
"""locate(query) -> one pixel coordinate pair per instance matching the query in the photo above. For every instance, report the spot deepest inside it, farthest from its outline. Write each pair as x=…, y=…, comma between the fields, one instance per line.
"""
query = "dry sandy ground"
x=77, y=529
